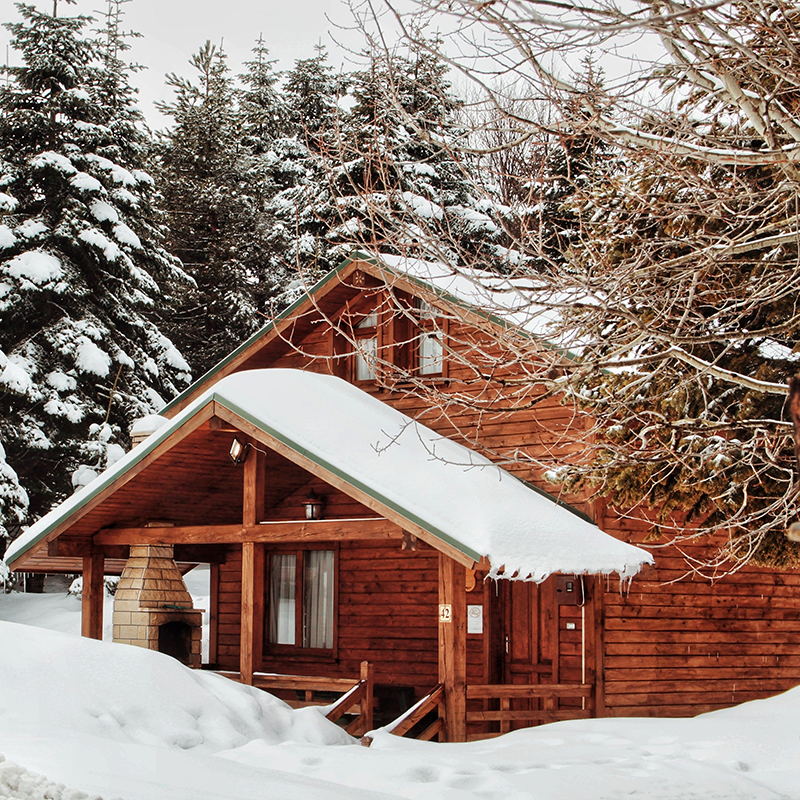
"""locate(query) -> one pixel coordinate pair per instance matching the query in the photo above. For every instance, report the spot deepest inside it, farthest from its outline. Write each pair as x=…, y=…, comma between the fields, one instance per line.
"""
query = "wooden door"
x=549, y=639
x=531, y=633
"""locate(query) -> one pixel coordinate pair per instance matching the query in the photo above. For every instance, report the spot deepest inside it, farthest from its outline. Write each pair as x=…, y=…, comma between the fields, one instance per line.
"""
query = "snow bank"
x=131, y=724
x=18, y=783
x=128, y=694
x=751, y=752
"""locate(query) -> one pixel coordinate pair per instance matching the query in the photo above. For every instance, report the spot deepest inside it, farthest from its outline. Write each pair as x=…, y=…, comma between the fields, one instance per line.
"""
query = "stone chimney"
x=144, y=427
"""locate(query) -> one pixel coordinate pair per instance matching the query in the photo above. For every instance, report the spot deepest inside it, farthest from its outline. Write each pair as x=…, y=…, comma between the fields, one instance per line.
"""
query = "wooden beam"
x=453, y=647
x=343, y=485
x=597, y=619
x=253, y=489
x=80, y=548
x=201, y=553
x=92, y=600
x=250, y=647
x=218, y=425
x=323, y=530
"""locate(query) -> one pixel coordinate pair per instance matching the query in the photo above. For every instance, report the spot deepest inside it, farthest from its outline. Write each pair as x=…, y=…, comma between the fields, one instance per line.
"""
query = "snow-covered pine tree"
x=263, y=121
x=13, y=498
x=301, y=210
x=212, y=211
x=81, y=263
x=262, y=111
x=399, y=186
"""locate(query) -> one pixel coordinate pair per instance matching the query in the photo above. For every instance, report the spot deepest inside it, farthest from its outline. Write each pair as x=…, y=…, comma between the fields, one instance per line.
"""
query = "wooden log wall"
x=657, y=647
x=682, y=647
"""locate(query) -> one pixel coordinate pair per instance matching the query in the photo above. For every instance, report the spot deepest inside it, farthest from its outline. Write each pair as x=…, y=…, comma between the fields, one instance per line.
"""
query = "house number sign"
x=445, y=612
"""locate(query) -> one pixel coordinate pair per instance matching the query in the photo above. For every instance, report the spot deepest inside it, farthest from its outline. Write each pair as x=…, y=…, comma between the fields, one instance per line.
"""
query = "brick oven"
x=153, y=608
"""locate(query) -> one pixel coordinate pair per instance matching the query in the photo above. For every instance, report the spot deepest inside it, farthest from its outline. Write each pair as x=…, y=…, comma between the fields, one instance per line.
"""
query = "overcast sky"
x=174, y=29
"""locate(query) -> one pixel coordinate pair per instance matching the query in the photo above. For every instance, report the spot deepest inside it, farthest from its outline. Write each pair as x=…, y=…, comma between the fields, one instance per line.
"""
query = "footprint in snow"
x=424, y=774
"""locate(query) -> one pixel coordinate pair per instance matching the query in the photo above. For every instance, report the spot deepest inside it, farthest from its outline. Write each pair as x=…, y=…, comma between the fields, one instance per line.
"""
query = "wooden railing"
x=356, y=699
x=409, y=719
x=359, y=700
x=542, y=701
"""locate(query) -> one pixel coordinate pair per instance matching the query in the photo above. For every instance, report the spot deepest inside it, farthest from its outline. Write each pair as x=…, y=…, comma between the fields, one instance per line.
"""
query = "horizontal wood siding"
x=229, y=621
x=681, y=646
x=388, y=602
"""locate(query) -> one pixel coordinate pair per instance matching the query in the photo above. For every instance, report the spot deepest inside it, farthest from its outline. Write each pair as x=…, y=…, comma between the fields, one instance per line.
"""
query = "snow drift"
x=128, y=694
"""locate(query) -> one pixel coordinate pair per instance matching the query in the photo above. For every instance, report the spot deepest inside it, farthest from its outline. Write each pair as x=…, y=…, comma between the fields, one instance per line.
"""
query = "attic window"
x=365, y=361
x=430, y=340
x=431, y=353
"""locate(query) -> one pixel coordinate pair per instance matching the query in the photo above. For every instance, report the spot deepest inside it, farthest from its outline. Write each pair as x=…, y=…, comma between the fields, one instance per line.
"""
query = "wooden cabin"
x=348, y=473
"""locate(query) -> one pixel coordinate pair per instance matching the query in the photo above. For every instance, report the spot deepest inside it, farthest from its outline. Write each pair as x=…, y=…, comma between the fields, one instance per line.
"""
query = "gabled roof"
x=501, y=300
x=459, y=501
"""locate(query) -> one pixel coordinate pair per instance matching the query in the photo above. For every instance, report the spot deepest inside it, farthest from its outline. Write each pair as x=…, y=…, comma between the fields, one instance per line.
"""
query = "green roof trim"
x=81, y=499
x=287, y=312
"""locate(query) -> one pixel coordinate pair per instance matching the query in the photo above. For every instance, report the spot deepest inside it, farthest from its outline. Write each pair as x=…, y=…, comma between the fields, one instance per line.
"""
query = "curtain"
x=366, y=358
x=318, y=600
x=282, y=584
x=431, y=352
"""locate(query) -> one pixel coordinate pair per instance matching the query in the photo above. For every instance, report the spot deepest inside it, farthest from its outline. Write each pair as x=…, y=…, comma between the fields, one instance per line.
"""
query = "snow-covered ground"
x=114, y=721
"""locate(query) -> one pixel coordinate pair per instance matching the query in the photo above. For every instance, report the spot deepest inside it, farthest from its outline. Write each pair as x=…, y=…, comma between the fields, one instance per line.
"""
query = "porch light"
x=238, y=451
x=313, y=506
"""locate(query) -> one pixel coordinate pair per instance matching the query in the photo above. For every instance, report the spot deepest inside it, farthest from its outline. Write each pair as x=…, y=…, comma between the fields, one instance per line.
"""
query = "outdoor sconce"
x=313, y=506
x=238, y=451
x=793, y=533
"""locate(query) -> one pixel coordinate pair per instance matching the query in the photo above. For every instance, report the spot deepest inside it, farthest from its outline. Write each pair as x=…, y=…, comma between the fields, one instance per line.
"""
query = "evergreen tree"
x=262, y=112
x=382, y=175
x=81, y=262
x=212, y=211
x=400, y=186
x=301, y=209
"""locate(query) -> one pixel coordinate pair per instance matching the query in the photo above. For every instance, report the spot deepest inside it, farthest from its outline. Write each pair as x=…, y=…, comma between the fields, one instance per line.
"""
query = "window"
x=365, y=367
x=430, y=340
x=300, y=598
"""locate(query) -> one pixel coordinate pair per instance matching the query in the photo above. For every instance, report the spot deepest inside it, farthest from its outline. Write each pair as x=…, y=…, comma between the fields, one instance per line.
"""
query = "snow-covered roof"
x=525, y=303
x=454, y=494
x=507, y=301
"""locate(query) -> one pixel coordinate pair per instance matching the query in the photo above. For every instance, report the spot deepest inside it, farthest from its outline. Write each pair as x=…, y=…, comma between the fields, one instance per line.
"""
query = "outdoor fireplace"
x=153, y=608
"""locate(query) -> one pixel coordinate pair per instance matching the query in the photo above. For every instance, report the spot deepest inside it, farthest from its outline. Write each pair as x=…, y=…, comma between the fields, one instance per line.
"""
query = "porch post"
x=250, y=648
x=453, y=646
x=252, y=609
x=92, y=599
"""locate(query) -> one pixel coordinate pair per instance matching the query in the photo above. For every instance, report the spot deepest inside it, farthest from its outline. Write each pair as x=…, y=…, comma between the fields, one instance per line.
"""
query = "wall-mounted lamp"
x=313, y=506
x=238, y=451
x=793, y=533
